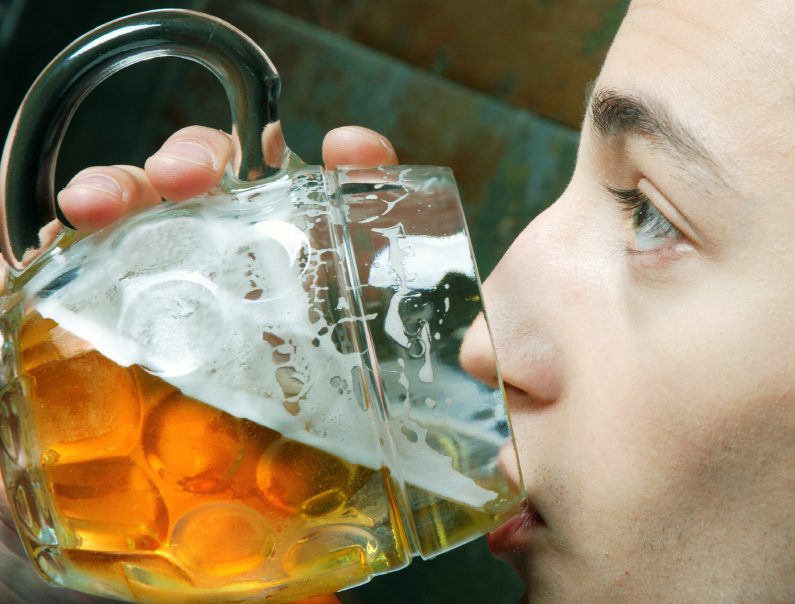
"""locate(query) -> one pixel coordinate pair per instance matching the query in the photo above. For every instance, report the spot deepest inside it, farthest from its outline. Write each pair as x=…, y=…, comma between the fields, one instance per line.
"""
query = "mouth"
x=513, y=537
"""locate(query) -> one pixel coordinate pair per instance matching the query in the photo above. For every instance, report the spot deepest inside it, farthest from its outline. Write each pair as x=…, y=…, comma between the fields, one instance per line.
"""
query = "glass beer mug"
x=252, y=395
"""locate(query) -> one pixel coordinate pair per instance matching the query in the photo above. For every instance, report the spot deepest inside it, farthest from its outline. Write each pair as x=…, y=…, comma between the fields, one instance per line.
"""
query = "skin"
x=648, y=372
x=651, y=392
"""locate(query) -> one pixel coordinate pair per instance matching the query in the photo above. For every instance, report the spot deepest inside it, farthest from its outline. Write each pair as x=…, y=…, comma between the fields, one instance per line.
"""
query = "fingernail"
x=189, y=152
x=371, y=135
x=98, y=182
x=385, y=144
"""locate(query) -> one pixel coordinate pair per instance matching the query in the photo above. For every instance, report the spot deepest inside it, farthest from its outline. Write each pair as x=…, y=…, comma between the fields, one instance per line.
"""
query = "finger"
x=97, y=196
x=47, y=235
x=189, y=163
x=357, y=146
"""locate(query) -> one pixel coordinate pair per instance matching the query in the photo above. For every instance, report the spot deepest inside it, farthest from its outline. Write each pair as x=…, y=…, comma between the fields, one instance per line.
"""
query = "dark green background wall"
x=494, y=90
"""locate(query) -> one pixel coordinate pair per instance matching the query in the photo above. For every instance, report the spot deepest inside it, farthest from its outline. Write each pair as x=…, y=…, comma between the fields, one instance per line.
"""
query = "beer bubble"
x=340, y=385
x=193, y=445
x=301, y=479
x=222, y=539
x=331, y=548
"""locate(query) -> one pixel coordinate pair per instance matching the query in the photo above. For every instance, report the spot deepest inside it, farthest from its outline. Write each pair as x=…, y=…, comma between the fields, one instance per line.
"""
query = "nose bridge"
x=525, y=298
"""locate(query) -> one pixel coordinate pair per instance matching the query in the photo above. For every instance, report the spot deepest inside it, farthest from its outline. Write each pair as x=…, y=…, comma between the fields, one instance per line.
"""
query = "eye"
x=652, y=230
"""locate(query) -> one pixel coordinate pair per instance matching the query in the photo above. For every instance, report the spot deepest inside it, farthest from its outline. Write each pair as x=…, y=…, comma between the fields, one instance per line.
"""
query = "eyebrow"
x=617, y=114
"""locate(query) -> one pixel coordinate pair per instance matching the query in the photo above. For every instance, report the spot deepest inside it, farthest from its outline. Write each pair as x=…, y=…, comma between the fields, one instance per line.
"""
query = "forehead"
x=725, y=68
x=702, y=27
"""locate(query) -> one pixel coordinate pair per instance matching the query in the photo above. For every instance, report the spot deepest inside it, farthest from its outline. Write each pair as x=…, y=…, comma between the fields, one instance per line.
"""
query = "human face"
x=644, y=323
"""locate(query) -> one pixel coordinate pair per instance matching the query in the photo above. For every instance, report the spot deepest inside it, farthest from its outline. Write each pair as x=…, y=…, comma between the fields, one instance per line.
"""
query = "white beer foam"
x=218, y=305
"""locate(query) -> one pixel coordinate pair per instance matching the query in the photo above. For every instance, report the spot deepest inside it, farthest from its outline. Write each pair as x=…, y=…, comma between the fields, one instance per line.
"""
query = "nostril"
x=529, y=364
x=530, y=383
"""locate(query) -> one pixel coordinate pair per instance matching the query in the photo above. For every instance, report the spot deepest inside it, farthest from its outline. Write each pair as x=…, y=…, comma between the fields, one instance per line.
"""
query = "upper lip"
x=512, y=537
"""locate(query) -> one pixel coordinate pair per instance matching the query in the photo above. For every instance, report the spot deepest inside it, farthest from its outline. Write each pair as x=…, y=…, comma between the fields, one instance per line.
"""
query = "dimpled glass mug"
x=252, y=395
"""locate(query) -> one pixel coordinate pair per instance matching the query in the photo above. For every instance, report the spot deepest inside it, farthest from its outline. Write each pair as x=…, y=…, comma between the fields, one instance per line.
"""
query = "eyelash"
x=648, y=223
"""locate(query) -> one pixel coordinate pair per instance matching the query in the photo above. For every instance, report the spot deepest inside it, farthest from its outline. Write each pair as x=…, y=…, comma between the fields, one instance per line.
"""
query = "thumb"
x=354, y=145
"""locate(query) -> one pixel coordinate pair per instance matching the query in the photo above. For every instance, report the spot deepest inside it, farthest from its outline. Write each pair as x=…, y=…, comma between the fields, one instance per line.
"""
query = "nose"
x=477, y=354
x=524, y=321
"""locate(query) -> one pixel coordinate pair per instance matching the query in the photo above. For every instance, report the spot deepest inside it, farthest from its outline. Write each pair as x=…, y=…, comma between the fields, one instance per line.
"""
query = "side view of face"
x=644, y=323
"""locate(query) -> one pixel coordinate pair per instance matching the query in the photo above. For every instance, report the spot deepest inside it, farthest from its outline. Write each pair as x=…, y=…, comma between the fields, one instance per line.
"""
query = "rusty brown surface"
x=509, y=163
x=538, y=54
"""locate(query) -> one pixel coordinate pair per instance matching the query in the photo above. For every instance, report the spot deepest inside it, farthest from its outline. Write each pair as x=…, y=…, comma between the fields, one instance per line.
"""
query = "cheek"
x=555, y=314
x=692, y=408
x=666, y=400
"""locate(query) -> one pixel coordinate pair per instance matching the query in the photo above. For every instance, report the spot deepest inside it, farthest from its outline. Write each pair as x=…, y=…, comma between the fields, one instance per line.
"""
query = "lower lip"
x=513, y=536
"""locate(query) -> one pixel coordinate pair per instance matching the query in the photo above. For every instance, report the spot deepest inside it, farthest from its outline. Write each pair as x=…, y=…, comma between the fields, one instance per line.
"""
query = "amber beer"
x=158, y=497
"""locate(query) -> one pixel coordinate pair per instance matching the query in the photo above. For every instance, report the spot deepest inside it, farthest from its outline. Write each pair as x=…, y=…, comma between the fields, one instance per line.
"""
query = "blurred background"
x=494, y=90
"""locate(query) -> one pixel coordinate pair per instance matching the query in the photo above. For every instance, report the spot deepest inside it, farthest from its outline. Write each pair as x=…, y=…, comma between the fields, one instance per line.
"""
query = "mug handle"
x=27, y=167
